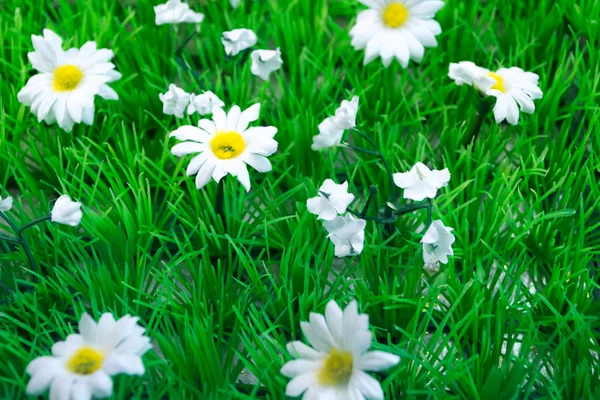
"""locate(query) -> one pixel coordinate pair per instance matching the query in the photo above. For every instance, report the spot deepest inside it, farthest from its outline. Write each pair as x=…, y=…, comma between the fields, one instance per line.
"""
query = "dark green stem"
x=362, y=150
x=485, y=106
x=220, y=201
x=184, y=43
x=11, y=240
x=23, y=243
x=32, y=223
x=372, y=192
x=383, y=160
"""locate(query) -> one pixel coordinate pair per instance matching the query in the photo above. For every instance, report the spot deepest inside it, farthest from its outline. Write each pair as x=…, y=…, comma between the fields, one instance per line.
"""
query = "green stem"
x=408, y=208
x=184, y=43
x=23, y=243
x=11, y=240
x=361, y=150
x=485, y=106
x=220, y=201
x=372, y=192
x=383, y=160
x=32, y=223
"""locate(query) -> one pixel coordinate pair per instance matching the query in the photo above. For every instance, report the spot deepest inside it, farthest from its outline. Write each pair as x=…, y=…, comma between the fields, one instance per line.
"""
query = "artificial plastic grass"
x=515, y=314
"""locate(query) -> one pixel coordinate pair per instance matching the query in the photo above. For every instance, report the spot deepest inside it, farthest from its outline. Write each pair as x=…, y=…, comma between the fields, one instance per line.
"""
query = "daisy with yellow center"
x=334, y=368
x=398, y=29
x=513, y=88
x=67, y=82
x=226, y=145
x=80, y=367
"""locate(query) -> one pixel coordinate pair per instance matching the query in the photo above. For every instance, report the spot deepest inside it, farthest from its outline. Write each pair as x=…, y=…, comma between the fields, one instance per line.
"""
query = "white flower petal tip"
x=66, y=211
x=437, y=245
x=331, y=130
x=333, y=199
x=420, y=182
x=235, y=3
x=204, y=104
x=264, y=62
x=238, y=40
x=347, y=234
x=396, y=29
x=176, y=12
x=64, y=89
x=335, y=365
x=83, y=364
x=513, y=88
x=175, y=101
x=226, y=146
x=6, y=204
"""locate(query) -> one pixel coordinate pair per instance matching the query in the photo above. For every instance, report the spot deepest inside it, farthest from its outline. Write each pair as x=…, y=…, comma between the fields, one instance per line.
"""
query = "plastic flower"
x=421, y=182
x=80, y=367
x=264, y=62
x=225, y=145
x=6, y=203
x=331, y=130
x=396, y=28
x=513, y=88
x=67, y=82
x=176, y=12
x=347, y=234
x=175, y=101
x=333, y=199
x=204, y=103
x=437, y=244
x=334, y=367
x=237, y=40
x=66, y=211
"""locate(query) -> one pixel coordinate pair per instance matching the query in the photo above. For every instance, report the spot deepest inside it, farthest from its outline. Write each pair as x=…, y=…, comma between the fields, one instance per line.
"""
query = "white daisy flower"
x=347, y=234
x=225, y=145
x=64, y=89
x=334, y=367
x=437, y=245
x=6, y=203
x=237, y=40
x=66, y=211
x=176, y=12
x=421, y=182
x=513, y=88
x=175, y=101
x=331, y=130
x=264, y=62
x=80, y=367
x=333, y=199
x=204, y=103
x=396, y=28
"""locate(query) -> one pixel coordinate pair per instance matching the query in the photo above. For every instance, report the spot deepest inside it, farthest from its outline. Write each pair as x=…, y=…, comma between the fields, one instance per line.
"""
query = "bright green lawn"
x=219, y=301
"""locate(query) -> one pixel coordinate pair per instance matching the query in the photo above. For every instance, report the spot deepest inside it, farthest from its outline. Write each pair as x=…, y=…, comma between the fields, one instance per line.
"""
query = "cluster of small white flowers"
x=176, y=101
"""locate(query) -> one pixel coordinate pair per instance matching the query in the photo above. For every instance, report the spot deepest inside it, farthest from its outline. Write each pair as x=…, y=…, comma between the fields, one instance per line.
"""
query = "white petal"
x=524, y=101
x=60, y=388
x=258, y=162
x=300, y=384
x=184, y=148
x=426, y=9
x=368, y=386
x=207, y=125
x=249, y=115
x=126, y=363
x=377, y=361
x=191, y=133
x=204, y=174
x=317, y=333
x=298, y=349
x=299, y=367
x=512, y=114
x=501, y=108
x=335, y=319
x=233, y=117
x=220, y=119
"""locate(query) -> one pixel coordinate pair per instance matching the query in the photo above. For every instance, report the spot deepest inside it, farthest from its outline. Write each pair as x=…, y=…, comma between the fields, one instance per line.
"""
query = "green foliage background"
x=514, y=315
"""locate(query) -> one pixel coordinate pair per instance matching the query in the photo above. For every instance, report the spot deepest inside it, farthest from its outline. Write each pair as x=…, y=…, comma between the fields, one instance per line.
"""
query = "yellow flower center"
x=337, y=369
x=66, y=78
x=395, y=15
x=85, y=361
x=227, y=145
x=499, y=85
